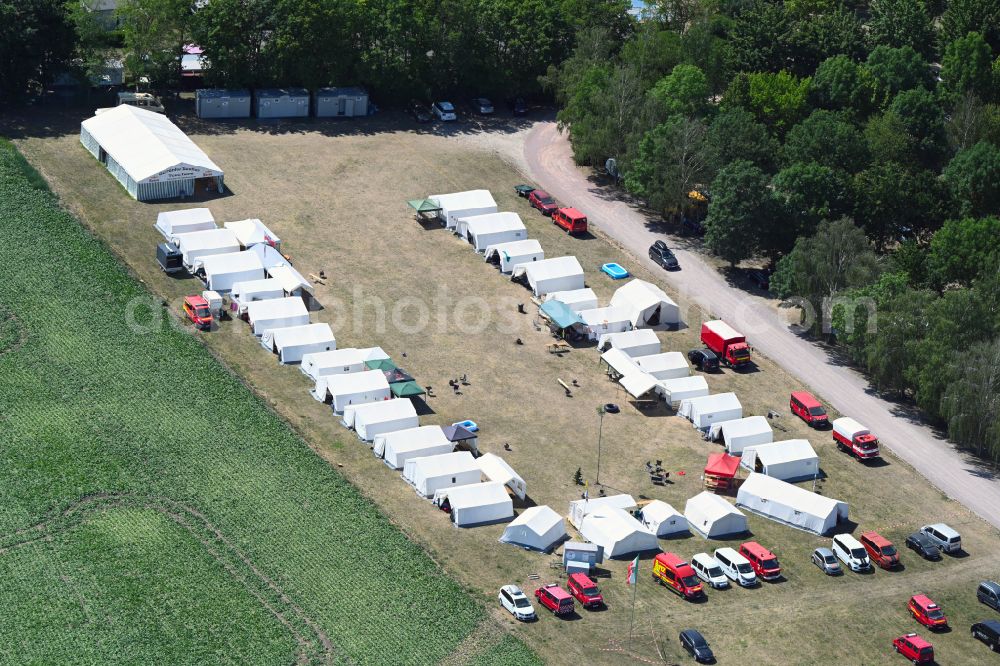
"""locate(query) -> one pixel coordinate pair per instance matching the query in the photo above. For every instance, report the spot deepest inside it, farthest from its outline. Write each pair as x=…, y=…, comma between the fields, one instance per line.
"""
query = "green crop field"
x=152, y=509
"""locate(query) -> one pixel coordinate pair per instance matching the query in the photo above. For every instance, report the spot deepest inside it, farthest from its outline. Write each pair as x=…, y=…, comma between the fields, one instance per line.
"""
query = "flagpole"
x=631, y=621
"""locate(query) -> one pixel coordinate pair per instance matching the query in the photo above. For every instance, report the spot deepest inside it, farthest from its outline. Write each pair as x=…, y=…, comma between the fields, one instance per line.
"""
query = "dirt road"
x=548, y=157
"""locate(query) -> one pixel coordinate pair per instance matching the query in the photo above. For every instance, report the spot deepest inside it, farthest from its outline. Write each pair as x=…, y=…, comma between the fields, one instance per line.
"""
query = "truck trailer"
x=728, y=344
x=855, y=439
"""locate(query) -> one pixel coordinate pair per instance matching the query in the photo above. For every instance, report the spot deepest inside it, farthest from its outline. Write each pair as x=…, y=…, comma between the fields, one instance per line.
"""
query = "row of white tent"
x=634, y=305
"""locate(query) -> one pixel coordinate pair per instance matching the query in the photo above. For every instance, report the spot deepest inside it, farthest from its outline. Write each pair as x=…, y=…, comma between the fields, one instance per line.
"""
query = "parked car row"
x=560, y=601
x=571, y=220
x=445, y=111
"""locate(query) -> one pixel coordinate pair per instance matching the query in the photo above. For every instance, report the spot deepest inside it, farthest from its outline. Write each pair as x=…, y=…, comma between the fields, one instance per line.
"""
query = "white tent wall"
x=334, y=362
x=477, y=504
x=537, y=528
x=617, y=532
x=463, y=204
x=791, y=505
x=706, y=410
x=378, y=418
x=713, y=517
x=640, y=342
x=358, y=388
x=663, y=520
x=197, y=244
x=647, y=304
x=276, y=313
x=483, y=231
x=667, y=365
x=549, y=275
x=741, y=433
x=252, y=232
x=222, y=271
x=575, y=299
x=603, y=321
x=148, y=154
x=510, y=255
x=291, y=343
x=430, y=474
x=173, y=222
x=496, y=469
x=788, y=460
x=395, y=448
x=620, y=362
x=255, y=290
x=676, y=391
x=579, y=508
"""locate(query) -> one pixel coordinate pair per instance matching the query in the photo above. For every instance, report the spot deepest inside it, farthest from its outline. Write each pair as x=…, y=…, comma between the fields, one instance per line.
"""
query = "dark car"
x=692, y=227
x=419, y=112
x=761, y=279
x=661, y=254
x=921, y=544
x=704, y=359
x=988, y=631
x=697, y=646
x=482, y=106
x=518, y=106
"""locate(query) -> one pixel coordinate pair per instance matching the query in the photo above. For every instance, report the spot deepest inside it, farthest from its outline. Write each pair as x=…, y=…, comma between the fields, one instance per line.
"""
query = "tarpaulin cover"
x=722, y=464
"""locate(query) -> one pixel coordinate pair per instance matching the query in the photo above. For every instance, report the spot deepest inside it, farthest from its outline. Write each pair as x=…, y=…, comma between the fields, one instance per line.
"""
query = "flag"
x=632, y=567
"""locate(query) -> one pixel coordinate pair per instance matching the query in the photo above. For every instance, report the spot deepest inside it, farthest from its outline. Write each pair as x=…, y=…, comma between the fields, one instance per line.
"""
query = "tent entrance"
x=654, y=319
x=206, y=185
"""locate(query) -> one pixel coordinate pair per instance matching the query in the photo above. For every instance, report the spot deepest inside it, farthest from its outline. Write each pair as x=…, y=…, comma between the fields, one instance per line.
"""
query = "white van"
x=736, y=567
x=709, y=570
x=850, y=551
x=947, y=539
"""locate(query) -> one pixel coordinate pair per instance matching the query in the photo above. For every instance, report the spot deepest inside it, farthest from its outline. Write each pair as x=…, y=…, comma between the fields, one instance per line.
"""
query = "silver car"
x=827, y=562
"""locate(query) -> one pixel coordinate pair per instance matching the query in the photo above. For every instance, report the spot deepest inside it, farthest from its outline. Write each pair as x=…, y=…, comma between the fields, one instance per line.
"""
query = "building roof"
x=274, y=93
x=147, y=144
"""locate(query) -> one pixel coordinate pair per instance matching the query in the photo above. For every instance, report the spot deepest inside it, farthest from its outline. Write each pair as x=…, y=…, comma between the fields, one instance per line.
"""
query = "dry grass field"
x=335, y=193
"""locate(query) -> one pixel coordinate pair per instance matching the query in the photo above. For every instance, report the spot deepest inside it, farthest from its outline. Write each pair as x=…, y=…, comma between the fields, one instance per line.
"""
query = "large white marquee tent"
x=791, y=505
x=647, y=304
x=581, y=507
x=713, y=517
x=537, y=528
x=149, y=155
x=617, y=532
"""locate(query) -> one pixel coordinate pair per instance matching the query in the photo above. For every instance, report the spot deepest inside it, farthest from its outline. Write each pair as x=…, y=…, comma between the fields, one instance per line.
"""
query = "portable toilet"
x=340, y=102
x=282, y=103
x=218, y=103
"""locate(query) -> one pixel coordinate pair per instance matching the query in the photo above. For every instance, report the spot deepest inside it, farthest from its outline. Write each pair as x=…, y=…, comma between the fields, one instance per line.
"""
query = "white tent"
x=476, y=504
x=148, y=154
x=788, y=460
x=490, y=229
x=463, y=204
x=395, y=448
x=292, y=342
x=741, y=433
x=508, y=255
x=668, y=365
x=197, y=244
x=496, y=469
x=617, y=532
x=620, y=362
x=579, y=508
x=640, y=342
x=354, y=389
x=429, y=474
x=709, y=409
x=255, y=290
x=548, y=275
x=680, y=389
x=638, y=384
x=252, y=232
x=647, y=304
x=291, y=280
x=377, y=418
x=663, y=520
x=339, y=361
x=602, y=321
x=173, y=222
x=538, y=528
x=276, y=313
x=713, y=517
x=791, y=505
x=222, y=271
x=575, y=299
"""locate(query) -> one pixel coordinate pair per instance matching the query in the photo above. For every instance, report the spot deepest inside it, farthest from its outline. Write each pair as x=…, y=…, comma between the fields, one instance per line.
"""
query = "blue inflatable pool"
x=468, y=425
x=615, y=271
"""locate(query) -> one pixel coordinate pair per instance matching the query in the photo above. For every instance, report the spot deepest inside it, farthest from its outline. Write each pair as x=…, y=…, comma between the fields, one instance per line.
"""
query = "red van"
x=880, y=549
x=926, y=612
x=570, y=219
x=543, y=201
x=196, y=309
x=914, y=648
x=555, y=599
x=674, y=572
x=764, y=562
x=805, y=405
x=585, y=590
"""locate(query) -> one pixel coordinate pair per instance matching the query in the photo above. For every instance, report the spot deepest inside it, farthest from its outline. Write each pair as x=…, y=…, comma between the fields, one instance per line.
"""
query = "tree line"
x=397, y=48
x=853, y=146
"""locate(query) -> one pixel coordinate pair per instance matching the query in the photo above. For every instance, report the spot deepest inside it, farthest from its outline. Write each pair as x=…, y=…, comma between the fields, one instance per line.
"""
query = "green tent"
x=406, y=389
x=382, y=364
x=560, y=313
x=424, y=209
